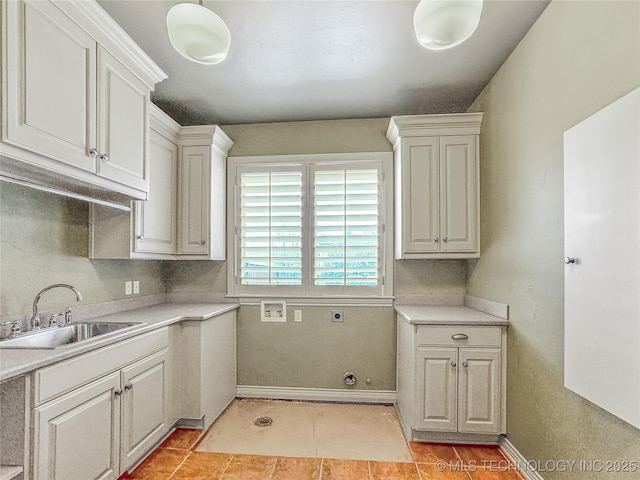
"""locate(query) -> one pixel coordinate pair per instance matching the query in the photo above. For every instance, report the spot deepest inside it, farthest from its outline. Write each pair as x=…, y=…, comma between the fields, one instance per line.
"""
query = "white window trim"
x=385, y=159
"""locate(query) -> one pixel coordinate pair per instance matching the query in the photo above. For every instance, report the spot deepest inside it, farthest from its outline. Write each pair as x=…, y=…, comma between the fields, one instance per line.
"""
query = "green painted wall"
x=44, y=240
x=578, y=57
x=316, y=353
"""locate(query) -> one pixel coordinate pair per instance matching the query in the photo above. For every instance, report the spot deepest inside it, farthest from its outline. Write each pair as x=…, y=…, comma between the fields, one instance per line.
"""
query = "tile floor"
x=180, y=457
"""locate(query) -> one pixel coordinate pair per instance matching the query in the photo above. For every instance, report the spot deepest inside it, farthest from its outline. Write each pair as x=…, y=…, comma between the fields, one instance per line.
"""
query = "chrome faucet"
x=35, y=320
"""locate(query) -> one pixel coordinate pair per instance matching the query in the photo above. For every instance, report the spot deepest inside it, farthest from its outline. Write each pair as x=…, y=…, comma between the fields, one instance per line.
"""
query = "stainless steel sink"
x=58, y=337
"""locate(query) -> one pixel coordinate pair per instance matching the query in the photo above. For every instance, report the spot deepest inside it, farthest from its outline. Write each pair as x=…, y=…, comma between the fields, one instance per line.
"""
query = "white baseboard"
x=513, y=453
x=317, y=394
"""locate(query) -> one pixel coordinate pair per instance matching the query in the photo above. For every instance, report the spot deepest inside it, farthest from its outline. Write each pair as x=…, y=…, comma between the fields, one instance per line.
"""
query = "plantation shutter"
x=347, y=226
x=270, y=227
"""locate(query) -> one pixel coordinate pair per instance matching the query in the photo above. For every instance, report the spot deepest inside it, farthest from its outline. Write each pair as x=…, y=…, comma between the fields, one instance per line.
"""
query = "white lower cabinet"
x=77, y=435
x=144, y=409
x=458, y=389
x=98, y=430
x=451, y=381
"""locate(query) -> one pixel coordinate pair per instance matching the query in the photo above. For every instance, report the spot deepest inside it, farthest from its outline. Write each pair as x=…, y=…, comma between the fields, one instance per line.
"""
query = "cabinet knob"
x=459, y=336
x=454, y=364
x=569, y=260
x=140, y=237
x=203, y=242
x=93, y=152
x=465, y=364
x=117, y=392
x=444, y=239
x=436, y=239
x=128, y=387
x=104, y=157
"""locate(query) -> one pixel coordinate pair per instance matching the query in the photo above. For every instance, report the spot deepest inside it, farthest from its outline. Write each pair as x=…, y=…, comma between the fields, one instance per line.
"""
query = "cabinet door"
x=436, y=402
x=123, y=122
x=419, y=185
x=458, y=198
x=51, y=78
x=194, y=218
x=144, y=410
x=479, y=390
x=77, y=435
x=156, y=217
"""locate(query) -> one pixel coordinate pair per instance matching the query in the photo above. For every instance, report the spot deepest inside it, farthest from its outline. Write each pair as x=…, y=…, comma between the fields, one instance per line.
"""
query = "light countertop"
x=446, y=315
x=15, y=362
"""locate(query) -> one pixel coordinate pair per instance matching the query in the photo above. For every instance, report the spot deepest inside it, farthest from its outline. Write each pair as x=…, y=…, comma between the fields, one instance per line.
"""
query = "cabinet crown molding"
x=164, y=124
x=194, y=135
x=433, y=125
x=206, y=135
x=100, y=25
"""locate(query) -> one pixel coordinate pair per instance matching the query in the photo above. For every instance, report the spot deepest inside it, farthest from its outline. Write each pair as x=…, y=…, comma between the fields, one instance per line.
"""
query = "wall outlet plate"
x=273, y=311
x=136, y=287
x=127, y=288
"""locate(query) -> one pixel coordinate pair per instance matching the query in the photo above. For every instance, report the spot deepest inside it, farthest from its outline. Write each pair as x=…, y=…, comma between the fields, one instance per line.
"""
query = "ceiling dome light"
x=197, y=33
x=441, y=24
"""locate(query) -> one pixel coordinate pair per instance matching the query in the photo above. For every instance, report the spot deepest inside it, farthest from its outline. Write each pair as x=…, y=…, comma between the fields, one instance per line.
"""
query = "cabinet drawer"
x=447, y=335
x=69, y=374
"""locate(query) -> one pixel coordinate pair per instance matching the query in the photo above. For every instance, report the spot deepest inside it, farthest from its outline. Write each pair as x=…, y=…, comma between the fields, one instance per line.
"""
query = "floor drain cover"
x=263, y=421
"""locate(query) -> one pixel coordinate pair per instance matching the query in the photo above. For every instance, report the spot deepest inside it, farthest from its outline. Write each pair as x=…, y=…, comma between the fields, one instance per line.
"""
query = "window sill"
x=354, y=301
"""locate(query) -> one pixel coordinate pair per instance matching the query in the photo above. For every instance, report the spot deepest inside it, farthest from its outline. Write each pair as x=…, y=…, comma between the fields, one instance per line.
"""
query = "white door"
x=458, y=194
x=419, y=170
x=479, y=390
x=77, y=435
x=436, y=387
x=602, y=234
x=51, y=84
x=123, y=123
x=144, y=409
x=156, y=217
x=195, y=175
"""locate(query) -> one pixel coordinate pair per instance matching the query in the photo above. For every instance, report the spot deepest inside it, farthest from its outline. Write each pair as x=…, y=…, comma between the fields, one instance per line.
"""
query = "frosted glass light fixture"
x=197, y=33
x=441, y=24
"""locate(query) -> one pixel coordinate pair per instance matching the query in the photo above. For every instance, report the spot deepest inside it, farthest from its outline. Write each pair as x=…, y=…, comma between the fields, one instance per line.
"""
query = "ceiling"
x=323, y=59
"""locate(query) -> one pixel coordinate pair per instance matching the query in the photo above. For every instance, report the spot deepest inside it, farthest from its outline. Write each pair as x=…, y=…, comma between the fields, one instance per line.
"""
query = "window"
x=310, y=225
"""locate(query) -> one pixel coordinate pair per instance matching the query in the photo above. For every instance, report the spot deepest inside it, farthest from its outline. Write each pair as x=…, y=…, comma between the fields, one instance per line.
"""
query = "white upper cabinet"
x=195, y=164
x=46, y=53
x=123, y=139
x=155, y=219
x=202, y=199
x=184, y=216
x=437, y=185
x=76, y=98
x=459, y=199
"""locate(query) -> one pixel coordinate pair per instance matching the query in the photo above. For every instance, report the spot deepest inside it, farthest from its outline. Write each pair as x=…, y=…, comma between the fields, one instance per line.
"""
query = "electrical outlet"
x=337, y=316
x=136, y=287
x=297, y=315
x=127, y=288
